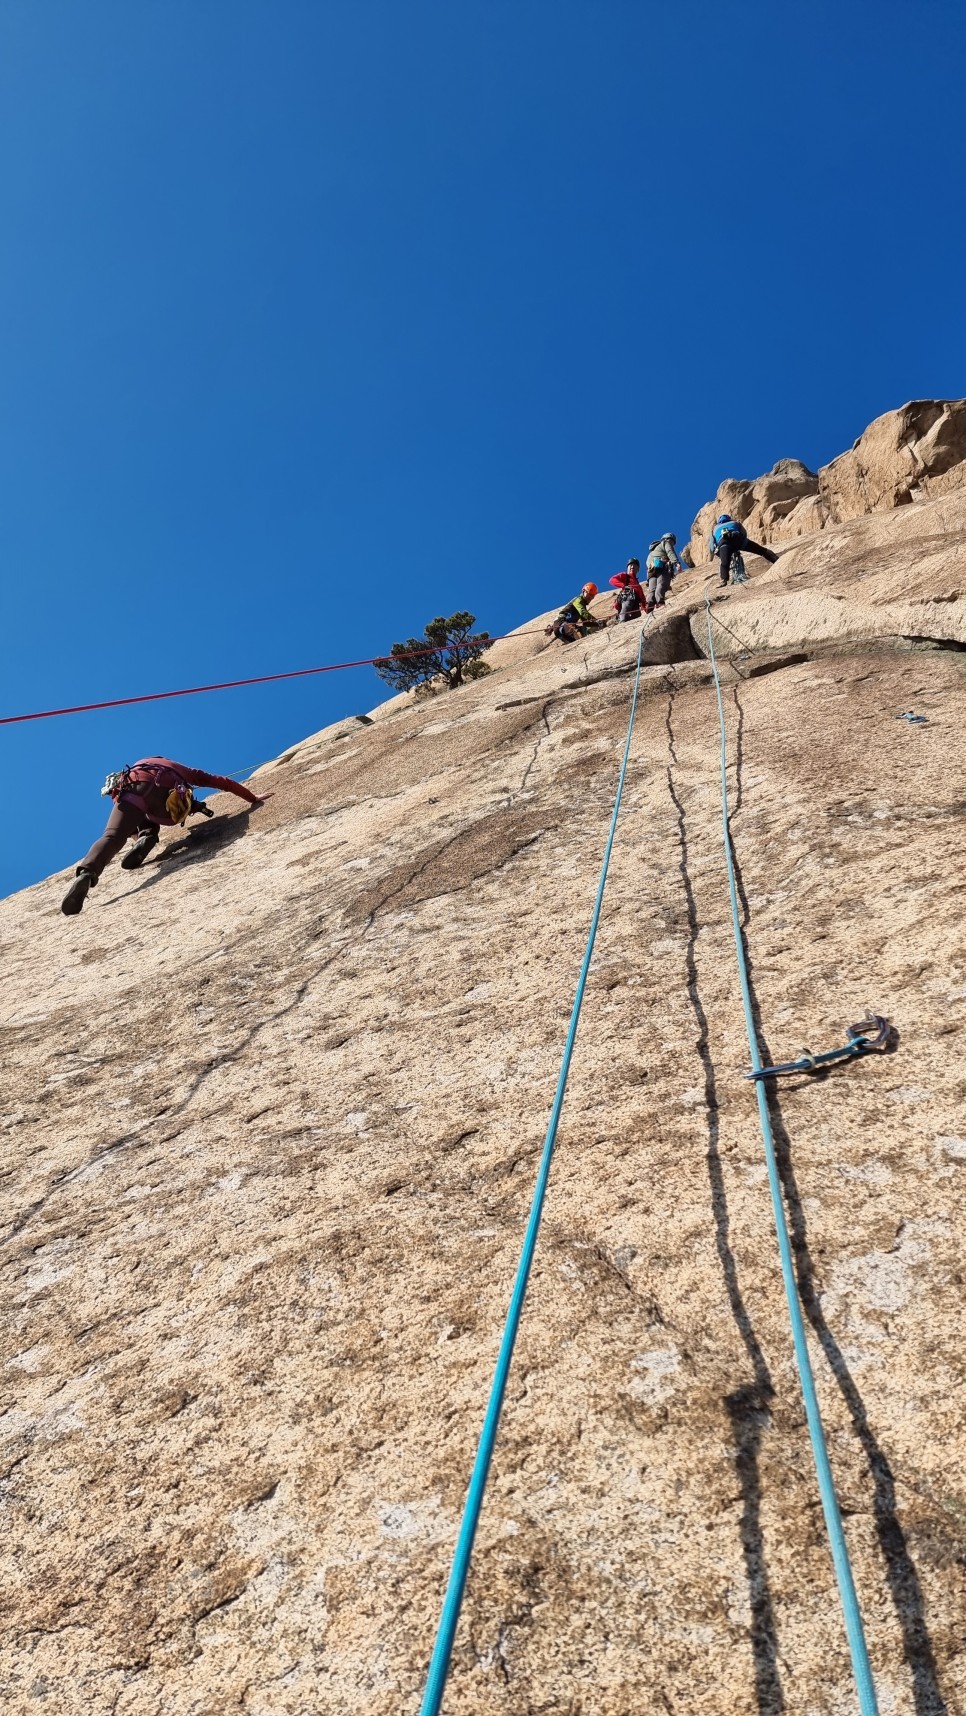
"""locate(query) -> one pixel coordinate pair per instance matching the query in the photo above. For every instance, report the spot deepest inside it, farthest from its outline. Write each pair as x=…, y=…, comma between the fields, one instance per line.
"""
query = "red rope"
x=262, y=679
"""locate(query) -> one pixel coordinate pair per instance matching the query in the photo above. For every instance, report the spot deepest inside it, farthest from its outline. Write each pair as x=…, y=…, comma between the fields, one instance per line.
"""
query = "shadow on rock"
x=207, y=838
x=199, y=844
x=902, y=1578
x=748, y=1405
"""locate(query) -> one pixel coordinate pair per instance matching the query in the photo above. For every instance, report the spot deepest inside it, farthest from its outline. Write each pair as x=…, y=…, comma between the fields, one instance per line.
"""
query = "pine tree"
x=449, y=650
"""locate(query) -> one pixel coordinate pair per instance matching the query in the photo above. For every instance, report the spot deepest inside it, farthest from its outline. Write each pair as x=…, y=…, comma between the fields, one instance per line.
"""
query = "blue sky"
x=321, y=317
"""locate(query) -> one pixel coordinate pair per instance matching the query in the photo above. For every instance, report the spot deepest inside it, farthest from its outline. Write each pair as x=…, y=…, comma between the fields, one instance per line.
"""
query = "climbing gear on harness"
x=563, y=629
x=77, y=893
x=858, y=1650
x=134, y=777
x=728, y=530
x=439, y=1664
x=859, y=1043
x=179, y=802
x=662, y=554
x=738, y=573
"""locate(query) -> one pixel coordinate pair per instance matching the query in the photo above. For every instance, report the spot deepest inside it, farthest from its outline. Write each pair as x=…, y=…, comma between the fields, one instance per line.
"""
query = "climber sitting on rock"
x=630, y=600
x=148, y=795
x=662, y=565
x=729, y=538
x=576, y=619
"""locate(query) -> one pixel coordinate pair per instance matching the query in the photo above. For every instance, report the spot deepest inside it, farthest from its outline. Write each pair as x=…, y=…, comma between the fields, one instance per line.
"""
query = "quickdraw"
x=860, y=1041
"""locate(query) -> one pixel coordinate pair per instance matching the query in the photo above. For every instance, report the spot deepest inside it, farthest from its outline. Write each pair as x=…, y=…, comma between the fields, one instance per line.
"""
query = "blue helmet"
x=725, y=518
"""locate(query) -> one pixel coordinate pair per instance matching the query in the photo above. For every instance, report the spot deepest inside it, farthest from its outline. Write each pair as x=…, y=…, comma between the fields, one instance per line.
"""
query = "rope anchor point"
x=872, y=1035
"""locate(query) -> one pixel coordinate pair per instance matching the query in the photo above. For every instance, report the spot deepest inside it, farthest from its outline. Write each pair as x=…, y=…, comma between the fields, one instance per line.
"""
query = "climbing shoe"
x=77, y=893
x=144, y=844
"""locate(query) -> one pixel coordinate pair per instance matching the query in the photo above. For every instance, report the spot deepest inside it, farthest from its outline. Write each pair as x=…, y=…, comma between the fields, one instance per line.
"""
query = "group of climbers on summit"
x=635, y=597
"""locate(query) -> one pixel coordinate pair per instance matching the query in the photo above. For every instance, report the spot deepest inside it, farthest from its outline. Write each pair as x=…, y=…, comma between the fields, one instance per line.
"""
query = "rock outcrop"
x=906, y=455
x=272, y=1111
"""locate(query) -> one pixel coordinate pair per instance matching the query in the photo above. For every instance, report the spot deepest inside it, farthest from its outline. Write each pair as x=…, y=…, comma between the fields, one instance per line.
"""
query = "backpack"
x=133, y=778
x=730, y=532
x=658, y=560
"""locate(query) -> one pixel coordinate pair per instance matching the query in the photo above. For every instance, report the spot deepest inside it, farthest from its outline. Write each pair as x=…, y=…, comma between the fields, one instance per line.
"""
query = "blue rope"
x=858, y=1650
x=452, y=1602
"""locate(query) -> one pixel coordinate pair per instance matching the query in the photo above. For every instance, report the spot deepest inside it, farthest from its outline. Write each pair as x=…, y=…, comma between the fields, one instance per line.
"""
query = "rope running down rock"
x=858, y=1649
x=452, y=1602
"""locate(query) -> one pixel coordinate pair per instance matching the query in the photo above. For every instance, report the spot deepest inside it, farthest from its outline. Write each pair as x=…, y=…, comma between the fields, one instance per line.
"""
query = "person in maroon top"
x=631, y=598
x=151, y=794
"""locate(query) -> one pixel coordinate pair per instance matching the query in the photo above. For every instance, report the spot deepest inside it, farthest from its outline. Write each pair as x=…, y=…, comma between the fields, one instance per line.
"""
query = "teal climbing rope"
x=855, y=1634
x=452, y=1602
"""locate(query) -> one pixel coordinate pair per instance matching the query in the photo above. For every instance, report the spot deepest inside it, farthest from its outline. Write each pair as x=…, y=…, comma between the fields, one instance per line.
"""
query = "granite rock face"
x=272, y=1111
x=904, y=456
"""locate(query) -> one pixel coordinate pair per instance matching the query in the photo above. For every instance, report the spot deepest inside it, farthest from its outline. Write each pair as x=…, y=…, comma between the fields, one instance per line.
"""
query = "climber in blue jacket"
x=729, y=538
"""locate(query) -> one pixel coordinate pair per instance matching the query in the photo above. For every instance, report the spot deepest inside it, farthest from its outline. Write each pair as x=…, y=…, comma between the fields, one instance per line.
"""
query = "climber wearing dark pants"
x=728, y=550
x=124, y=822
x=154, y=793
x=663, y=565
x=729, y=538
x=658, y=585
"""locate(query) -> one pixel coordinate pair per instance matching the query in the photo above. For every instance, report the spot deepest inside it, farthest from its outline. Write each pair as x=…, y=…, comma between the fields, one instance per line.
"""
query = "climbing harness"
x=858, y=1042
x=439, y=1664
x=858, y=1649
x=131, y=781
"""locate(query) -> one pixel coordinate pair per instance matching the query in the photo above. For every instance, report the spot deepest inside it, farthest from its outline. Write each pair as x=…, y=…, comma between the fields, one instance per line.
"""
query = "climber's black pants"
x=124, y=822
x=728, y=550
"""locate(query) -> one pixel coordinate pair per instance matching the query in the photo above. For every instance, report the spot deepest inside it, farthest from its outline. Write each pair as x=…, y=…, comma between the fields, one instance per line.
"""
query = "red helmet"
x=588, y=591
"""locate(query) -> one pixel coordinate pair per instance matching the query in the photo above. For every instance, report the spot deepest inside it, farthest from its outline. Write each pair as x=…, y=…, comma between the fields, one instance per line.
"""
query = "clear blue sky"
x=321, y=317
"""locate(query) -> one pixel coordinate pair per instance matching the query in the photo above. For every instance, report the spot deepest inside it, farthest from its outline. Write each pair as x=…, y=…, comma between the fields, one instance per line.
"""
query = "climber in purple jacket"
x=154, y=793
